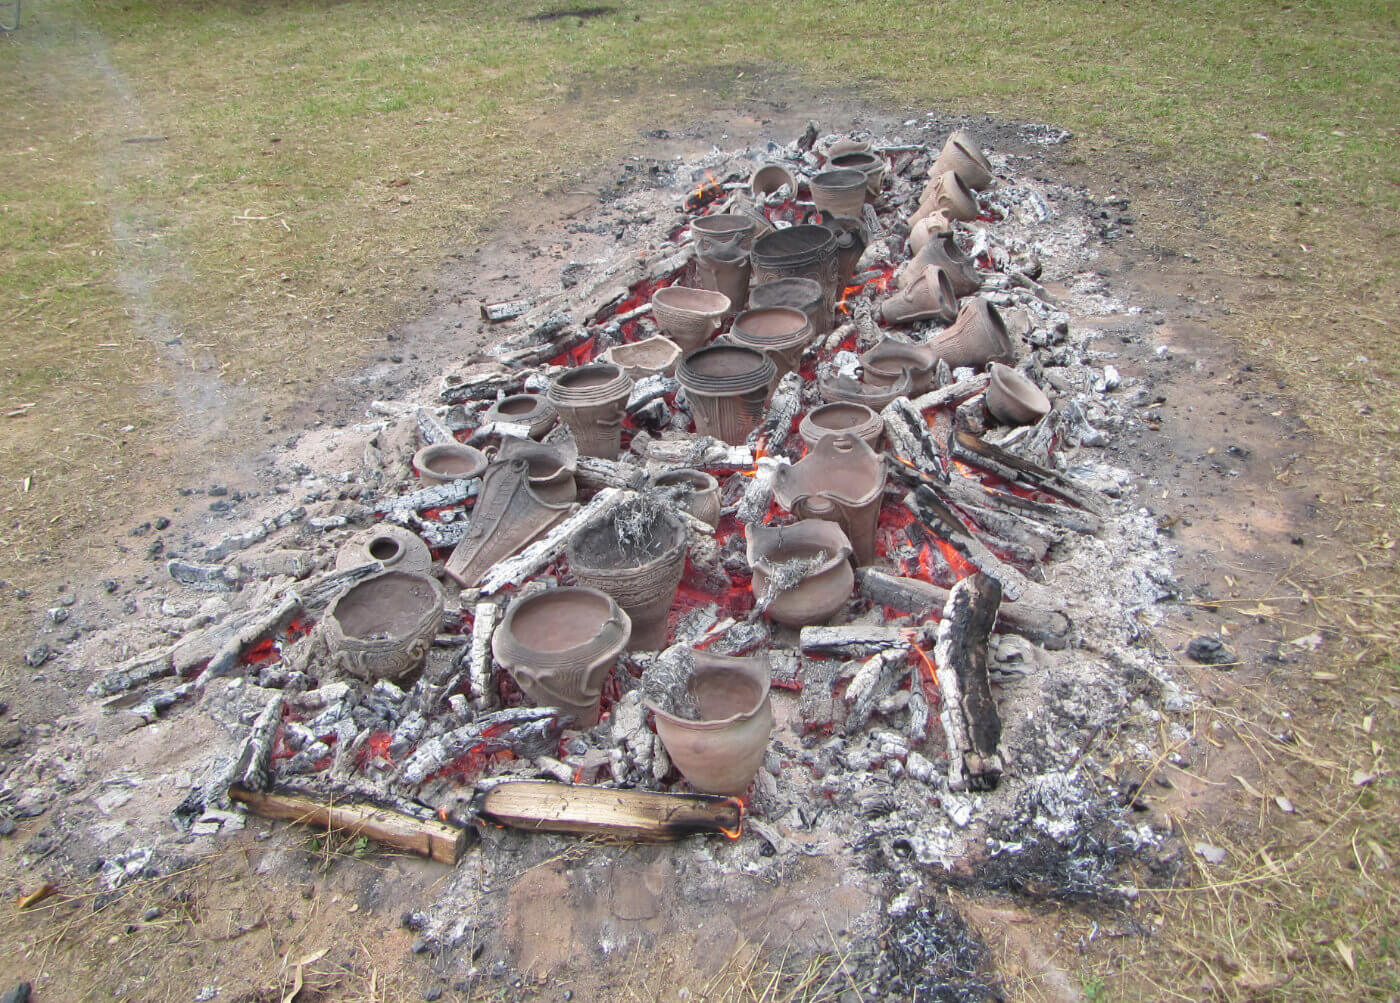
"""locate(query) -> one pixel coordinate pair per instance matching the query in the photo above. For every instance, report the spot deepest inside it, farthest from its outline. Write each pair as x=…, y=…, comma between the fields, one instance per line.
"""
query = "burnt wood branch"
x=484, y=620
x=909, y=435
x=494, y=313
x=534, y=355
x=1014, y=468
x=437, y=496
x=773, y=430
x=432, y=431
x=480, y=387
x=594, y=473
x=1049, y=628
x=252, y=768
x=514, y=570
x=965, y=491
x=512, y=729
x=942, y=523
x=968, y=711
x=853, y=641
x=606, y=813
x=954, y=393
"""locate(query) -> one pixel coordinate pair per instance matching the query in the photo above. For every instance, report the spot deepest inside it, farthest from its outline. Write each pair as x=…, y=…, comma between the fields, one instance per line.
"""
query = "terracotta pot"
x=696, y=491
x=884, y=364
x=783, y=333
x=963, y=154
x=727, y=387
x=929, y=297
x=396, y=548
x=722, y=228
x=560, y=645
x=1013, y=399
x=720, y=751
x=842, y=480
x=688, y=316
x=636, y=554
x=848, y=144
x=551, y=467
x=844, y=389
x=806, y=251
x=769, y=179
x=382, y=627
x=725, y=267
x=942, y=252
x=532, y=410
x=851, y=240
x=648, y=357
x=841, y=193
x=507, y=517
x=809, y=566
x=868, y=163
x=949, y=194
x=797, y=294
x=838, y=418
x=448, y=461
x=926, y=229
x=592, y=401
x=976, y=338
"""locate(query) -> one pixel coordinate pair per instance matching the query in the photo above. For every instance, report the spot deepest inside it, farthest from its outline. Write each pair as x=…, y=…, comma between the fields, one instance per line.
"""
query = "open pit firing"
x=911, y=613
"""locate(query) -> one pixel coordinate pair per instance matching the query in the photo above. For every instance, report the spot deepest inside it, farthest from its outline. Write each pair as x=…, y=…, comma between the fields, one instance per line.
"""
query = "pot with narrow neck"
x=395, y=547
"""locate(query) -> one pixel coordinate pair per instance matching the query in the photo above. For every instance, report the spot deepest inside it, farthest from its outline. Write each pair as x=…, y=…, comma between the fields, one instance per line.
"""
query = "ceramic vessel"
x=783, y=333
x=868, y=163
x=883, y=365
x=928, y=297
x=696, y=491
x=507, y=517
x=770, y=179
x=851, y=240
x=448, y=461
x=841, y=418
x=942, y=251
x=842, y=480
x=806, y=565
x=727, y=387
x=560, y=645
x=949, y=194
x=848, y=144
x=531, y=410
x=636, y=554
x=839, y=192
x=798, y=294
x=976, y=338
x=963, y=154
x=396, y=548
x=720, y=751
x=1013, y=399
x=688, y=316
x=723, y=227
x=592, y=401
x=725, y=267
x=551, y=467
x=382, y=627
x=805, y=251
x=648, y=357
x=844, y=389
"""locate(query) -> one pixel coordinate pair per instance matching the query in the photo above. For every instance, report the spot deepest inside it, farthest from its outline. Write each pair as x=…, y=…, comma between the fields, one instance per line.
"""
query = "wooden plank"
x=441, y=841
x=622, y=815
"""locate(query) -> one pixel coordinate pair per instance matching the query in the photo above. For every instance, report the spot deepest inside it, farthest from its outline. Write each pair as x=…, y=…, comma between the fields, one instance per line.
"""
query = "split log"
x=1026, y=282
x=515, y=570
x=252, y=769
x=968, y=712
x=237, y=632
x=608, y=814
x=758, y=493
x=701, y=452
x=875, y=678
x=817, y=704
x=910, y=438
x=437, y=496
x=1049, y=628
x=954, y=393
x=494, y=313
x=425, y=836
x=856, y=641
x=1007, y=464
x=964, y=491
x=942, y=523
x=772, y=432
x=432, y=431
x=498, y=430
x=484, y=619
x=525, y=731
x=534, y=355
x=595, y=473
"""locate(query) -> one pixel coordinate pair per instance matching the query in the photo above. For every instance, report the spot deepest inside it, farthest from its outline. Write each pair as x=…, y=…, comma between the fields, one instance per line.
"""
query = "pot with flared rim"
x=799, y=294
x=560, y=645
x=1013, y=399
x=882, y=365
x=688, y=316
x=448, y=461
x=840, y=192
x=699, y=492
x=383, y=626
x=807, y=250
x=868, y=163
x=769, y=179
x=841, y=417
x=723, y=227
x=783, y=333
x=531, y=410
x=843, y=388
x=724, y=369
x=720, y=751
x=595, y=383
x=820, y=551
x=592, y=401
x=841, y=479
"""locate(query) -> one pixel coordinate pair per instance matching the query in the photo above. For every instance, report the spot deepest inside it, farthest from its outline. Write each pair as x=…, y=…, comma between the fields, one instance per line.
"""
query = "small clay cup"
x=1013, y=399
x=448, y=461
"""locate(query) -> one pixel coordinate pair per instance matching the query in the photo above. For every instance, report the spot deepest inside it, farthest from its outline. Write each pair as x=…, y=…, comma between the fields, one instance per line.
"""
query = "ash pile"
x=787, y=526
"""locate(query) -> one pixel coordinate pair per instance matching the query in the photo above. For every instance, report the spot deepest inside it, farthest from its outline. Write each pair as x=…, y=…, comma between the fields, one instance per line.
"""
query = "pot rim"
x=803, y=527
x=433, y=609
x=690, y=291
x=765, y=681
x=536, y=657
x=425, y=456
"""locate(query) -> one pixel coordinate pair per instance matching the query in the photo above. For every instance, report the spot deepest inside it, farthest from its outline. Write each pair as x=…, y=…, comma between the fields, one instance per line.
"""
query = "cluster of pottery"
x=592, y=401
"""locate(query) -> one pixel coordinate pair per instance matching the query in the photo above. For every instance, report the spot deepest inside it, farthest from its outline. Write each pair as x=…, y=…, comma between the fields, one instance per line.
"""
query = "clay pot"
x=396, y=548
x=868, y=163
x=808, y=563
x=688, y=316
x=531, y=410
x=551, y=467
x=448, y=461
x=851, y=240
x=840, y=192
x=926, y=229
x=1013, y=399
x=963, y=154
x=648, y=357
x=943, y=252
x=843, y=389
x=696, y=491
x=722, y=228
x=949, y=194
x=636, y=554
x=848, y=144
x=507, y=517
x=929, y=297
x=769, y=179
x=725, y=267
x=842, y=480
x=382, y=627
x=592, y=401
x=883, y=365
x=806, y=251
x=781, y=332
x=839, y=418
x=798, y=294
x=560, y=645
x=976, y=338
x=721, y=751
x=727, y=387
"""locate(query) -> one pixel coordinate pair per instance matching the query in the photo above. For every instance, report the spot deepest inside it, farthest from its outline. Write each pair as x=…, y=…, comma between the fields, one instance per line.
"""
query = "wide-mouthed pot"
x=1013, y=399
x=551, y=466
x=839, y=192
x=727, y=387
x=770, y=179
x=782, y=332
x=882, y=365
x=723, y=227
x=592, y=401
x=382, y=627
x=688, y=316
x=839, y=418
x=531, y=410
x=696, y=491
x=798, y=294
x=805, y=251
x=868, y=163
x=802, y=573
x=648, y=357
x=395, y=547
x=448, y=461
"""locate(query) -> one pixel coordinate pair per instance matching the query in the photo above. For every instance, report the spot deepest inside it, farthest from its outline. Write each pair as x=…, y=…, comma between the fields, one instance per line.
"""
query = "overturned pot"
x=382, y=627
x=1013, y=399
x=507, y=517
x=688, y=316
x=976, y=338
x=802, y=572
x=963, y=154
x=395, y=547
x=560, y=645
x=716, y=730
x=448, y=461
x=842, y=480
x=694, y=490
x=592, y=401
x=531, y=410
x=727, y=387
x=839, y=418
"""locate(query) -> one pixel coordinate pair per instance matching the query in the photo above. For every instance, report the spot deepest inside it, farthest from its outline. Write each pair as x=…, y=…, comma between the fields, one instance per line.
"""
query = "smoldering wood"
x=478, y=387
x=968, y=709
x=649, y=389
x=1049, y=628
x=494, y=313
x=941, y=521
x=758, y=493
x=964, y=491
x=1032, y=538
x=954, y=393
x=853, y=641
x=1023, y=280
x=234, y=634
x=485, y=616
x=532, y=355
x=606, y=813
x=146, y=667
x=497, y=430
x=432, y=431
x=595, y=473
x=252, y=766
x=521, y=730
x=817, y=705
x=909, y=436
x=436, y=496
x=875, y=678
x=971, y=415
x=514, y=570
x=702, y=452
x=773, y=429
x=1007, y=464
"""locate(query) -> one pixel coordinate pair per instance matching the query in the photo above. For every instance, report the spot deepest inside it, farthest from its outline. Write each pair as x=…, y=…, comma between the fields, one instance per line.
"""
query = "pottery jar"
x=963, y=155
x=843, y=388
x=798, y=294
x=727, y=387
x=883, y=364
x=841, y=479
x=395, y=547
x=868, y=163
x=834, y=419
x=783, y=333
x=531, y=410
x=805, y=251
x=688, y=316
x=448, y=461
x=976, y=338
x=382, y=627
x=827, y=576
x=648, y=357
x=1013, y=399
x=698, y=491
x=592, y=401
x=722, y=228
x=770, y=179
x=839, y=192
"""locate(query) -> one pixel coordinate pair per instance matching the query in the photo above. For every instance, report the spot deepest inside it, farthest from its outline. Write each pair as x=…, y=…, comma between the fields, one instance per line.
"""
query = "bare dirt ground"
x=1228, y=472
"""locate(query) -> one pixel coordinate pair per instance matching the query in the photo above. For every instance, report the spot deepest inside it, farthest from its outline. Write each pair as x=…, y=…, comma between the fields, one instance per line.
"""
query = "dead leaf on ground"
x=37, y=895
x=1344, y=949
